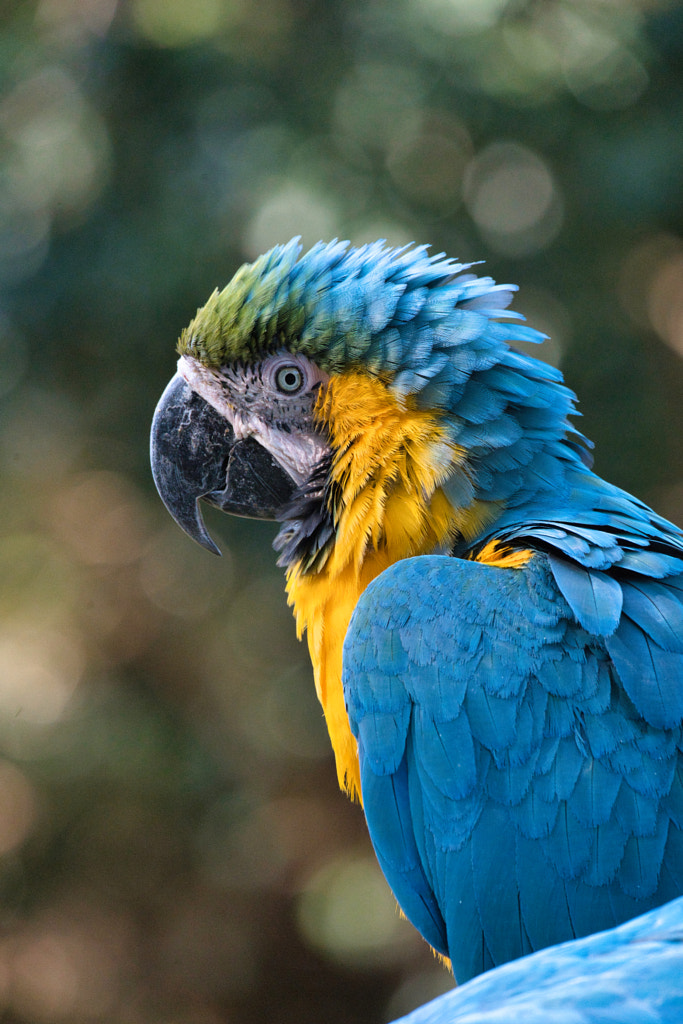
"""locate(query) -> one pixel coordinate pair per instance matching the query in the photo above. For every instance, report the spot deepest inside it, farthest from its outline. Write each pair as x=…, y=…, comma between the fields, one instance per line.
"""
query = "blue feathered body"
x=516, y=792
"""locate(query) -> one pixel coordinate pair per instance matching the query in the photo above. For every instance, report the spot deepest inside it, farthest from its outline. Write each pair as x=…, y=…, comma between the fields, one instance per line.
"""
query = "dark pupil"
x=289, y=380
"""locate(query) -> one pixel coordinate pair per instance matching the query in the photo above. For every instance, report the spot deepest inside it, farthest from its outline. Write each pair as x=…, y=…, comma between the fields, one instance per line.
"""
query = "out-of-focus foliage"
x=172, y=844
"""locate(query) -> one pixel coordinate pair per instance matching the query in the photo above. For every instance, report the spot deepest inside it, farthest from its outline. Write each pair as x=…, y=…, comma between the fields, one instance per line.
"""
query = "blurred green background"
x=173, y=847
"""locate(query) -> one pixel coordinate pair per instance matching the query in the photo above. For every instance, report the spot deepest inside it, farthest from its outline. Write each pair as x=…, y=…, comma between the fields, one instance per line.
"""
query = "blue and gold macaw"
x=496, y=633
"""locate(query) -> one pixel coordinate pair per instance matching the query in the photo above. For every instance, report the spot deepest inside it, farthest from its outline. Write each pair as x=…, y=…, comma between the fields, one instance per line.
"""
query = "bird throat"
x=387, y=503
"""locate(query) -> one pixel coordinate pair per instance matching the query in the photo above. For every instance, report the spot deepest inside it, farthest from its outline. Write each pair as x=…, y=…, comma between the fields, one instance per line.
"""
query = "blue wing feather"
x=445, y=752
x=398, y=855
x=657, y=611
x=595, y=793
x=514, y=763
x=641, y=865
x=497, y=901
x=594, y=597
x=651, y=676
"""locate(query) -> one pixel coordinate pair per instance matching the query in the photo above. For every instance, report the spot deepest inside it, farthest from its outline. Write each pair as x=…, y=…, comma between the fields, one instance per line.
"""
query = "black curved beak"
x=195, y=454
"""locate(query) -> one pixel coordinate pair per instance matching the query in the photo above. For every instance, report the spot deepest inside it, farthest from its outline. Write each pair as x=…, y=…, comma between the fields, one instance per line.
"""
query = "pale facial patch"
x=272, y=401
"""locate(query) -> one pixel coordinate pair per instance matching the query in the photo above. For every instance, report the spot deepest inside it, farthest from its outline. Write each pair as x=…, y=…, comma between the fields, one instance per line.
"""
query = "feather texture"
x=538, y=806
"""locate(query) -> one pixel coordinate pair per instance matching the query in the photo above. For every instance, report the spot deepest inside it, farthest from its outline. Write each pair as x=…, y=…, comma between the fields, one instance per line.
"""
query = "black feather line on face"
x=307, y=533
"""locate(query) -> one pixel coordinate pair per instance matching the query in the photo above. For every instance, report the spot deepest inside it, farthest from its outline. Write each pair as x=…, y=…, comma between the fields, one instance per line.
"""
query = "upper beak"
x=195, y=454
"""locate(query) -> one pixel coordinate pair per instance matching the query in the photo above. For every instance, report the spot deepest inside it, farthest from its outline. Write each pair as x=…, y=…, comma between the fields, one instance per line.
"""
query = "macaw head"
x=366, y=398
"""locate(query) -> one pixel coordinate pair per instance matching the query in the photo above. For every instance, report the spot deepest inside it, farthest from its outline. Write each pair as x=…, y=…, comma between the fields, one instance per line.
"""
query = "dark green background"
x=173, y=847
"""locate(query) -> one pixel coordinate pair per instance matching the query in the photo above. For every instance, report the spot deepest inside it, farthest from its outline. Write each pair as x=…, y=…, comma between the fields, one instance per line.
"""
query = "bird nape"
x=496, y=632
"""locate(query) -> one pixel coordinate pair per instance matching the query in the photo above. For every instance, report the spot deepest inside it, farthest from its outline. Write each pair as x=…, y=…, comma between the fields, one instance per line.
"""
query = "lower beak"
x=195, y=454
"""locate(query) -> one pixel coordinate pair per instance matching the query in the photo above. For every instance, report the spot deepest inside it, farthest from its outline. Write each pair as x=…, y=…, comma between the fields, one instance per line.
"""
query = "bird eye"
x=289, y=379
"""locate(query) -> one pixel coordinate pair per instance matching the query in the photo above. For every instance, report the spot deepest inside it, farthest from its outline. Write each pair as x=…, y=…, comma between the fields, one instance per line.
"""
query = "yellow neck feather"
x=389, y=462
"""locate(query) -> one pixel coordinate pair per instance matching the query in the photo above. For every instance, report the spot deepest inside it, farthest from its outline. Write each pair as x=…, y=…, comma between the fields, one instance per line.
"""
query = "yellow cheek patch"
x=390, y=459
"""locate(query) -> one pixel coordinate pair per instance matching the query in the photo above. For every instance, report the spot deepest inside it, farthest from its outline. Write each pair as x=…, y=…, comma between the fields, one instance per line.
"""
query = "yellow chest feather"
x=390, y=461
